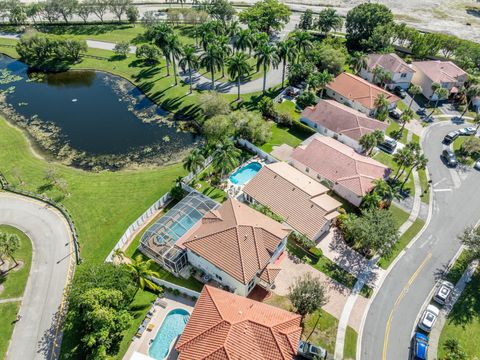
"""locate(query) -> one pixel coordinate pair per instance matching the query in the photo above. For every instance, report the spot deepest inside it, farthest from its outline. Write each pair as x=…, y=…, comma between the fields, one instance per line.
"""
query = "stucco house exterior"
x=341, y=168
x=399, y=70
x=359, y=94
x=446, y=73
x=338, y=121
x=237, y=247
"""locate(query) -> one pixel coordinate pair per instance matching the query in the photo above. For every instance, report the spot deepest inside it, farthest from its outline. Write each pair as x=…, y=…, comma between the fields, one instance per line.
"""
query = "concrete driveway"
x=37, y=334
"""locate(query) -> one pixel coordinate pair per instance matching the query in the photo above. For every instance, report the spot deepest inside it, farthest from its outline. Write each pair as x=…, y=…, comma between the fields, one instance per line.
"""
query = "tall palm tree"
x=302, y=41
x=381, y=104
x=403, y=158
x=238, y=67
x=206, y=38
x=472, y=92
x=211, y=59
x=141, y=272
x=386, y=191
x=414, y=91
x=225, y=50
x=194, y=162
x=405, y=118
x=328, y=20
x=378, y=73
x=266, y=56
x=189, y=61
x=440, y=93
x=285, y=54
x=234, y=28
x=419, y=163
x=225, y=157
x=324, y=78
x=175, y=49
x=358, y=61
x=160, y=37
x=243, y=40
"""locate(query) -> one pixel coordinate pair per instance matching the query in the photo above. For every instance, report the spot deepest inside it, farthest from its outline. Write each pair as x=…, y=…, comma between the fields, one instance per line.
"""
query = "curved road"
x=37, y=334
x=393, y=313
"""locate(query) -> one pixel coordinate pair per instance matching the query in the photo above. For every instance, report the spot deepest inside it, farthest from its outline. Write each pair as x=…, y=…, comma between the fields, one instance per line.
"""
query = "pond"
x=91, y=119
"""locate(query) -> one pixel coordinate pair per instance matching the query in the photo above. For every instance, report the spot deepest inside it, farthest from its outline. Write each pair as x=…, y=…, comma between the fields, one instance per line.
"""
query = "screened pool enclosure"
x=158, y=242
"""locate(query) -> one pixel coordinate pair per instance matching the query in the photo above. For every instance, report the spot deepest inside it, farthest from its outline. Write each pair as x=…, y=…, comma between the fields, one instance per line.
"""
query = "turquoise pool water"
x=246, y=173
x=171, y=328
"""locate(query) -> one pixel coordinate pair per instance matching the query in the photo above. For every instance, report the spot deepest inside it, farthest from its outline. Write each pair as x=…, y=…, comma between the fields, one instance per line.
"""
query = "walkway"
x=38, y=334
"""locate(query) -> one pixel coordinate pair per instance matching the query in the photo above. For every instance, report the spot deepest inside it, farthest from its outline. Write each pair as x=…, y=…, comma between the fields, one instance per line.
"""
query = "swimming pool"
x=172, y=327
x=245, y=173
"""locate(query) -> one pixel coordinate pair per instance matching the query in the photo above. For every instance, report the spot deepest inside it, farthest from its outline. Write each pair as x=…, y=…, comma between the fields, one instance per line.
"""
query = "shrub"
x=307, y=98
x=267, y=108
x=176, y=292
x=316, y=252
x=285, y=119
x=122, y=48
x=265, y=210
x=149, y=53
x=301, y=240
x=213, y=104
x=132, y=14
x=176, y=192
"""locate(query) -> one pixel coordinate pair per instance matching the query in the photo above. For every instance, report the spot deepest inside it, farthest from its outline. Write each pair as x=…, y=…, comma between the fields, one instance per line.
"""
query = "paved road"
x=37, y=331
x=393, y=312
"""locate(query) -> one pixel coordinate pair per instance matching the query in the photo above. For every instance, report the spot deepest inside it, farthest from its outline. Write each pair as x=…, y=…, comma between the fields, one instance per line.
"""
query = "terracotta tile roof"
x=300, y=200
x=237, y=239
x=356, y=89
x=342, y=119
x=340, y=164
x=439, y=71
x=224, y=326
x=269, y=274
x=391, y=62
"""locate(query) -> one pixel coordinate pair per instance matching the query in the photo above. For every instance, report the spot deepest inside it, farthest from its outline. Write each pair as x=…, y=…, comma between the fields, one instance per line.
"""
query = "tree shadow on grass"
x=467, y=307
x=147, y=73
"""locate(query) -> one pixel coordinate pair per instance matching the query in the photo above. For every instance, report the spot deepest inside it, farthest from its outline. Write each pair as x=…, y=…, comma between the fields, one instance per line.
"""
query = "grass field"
x=14, y=281
x=8, y=313
x=282, y=135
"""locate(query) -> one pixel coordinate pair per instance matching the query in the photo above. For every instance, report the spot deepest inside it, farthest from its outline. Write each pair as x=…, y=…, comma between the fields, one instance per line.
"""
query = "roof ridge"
x=256, y=244
x=209, y=234
x=240, y=254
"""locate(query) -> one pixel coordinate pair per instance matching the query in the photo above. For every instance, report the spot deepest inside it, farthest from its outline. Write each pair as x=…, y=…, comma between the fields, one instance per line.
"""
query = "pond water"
x=93, y=115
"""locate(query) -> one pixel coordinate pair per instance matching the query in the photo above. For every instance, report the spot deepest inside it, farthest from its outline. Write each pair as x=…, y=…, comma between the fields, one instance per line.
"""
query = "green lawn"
x=8, y=313
x=289, y=107
x=350, y=344
x=320, y=327
x=463, y=323
x=413, y=230
x=425, y=196
x=387, y=159
x=457, y=146
x=459, y=267
x=394, y=126
x=292, y=136
x=402, y=106
x=14, y=281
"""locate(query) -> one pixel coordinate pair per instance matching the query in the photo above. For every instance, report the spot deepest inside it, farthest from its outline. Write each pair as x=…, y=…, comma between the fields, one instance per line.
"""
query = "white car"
x=471, y=130
x=444, y=291
x=428, y=319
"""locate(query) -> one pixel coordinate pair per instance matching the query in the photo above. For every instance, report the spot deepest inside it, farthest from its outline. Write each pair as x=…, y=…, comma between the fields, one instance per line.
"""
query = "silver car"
x=428, y=319
x=443, y=292
x=311, y=351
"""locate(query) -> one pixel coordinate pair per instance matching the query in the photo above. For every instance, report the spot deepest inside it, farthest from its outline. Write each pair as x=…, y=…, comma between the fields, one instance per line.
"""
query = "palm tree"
x=472, y=92
x=9, y=245
x=189, y=61
x=403, y=158
x=386, y=191
x=118, y=254
x=243, y=40
x=420, y=162
x=234, y=29
x=476, y=120
x=237, y=67
x=328, y=20
x=175, y=50
x=266, y=56
x=324, y=78
x=440, y=93
x=194, y=162
x=386, y=78
x=414, y=91
x=161, y=35
x=405, y=118
x=225, y=50
x=225, y=157
x=369, y=140
x=142, y=274
x=285, y=55
x=381, y=104
x=358, y=61
x=207, y=38
x=211, y=59
x=302, y=41
x=370, y=201
x=378, y=74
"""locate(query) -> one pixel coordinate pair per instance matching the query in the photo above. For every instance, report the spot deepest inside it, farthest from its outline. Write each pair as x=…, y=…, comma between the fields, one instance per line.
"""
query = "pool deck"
x=235, y=190
x=141, y=344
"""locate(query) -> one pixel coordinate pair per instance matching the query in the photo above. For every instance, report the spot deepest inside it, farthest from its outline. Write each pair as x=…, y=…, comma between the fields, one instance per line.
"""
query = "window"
x=218, y=277
x=251, y=284
x=307, y=170
x=403, y=75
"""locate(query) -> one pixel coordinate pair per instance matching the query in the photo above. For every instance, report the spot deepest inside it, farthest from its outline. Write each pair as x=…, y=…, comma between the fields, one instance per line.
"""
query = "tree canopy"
x=307, y=294
x=266, y=16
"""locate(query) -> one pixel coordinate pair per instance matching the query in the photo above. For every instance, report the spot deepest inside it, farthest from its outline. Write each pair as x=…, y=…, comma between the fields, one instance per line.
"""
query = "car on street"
x=443, y=293
x=310, y=351
x=395, y=113
x=388, y=145
x=428, y=318
x=449, y=157
x=419, y=347
x=450, y=137
x=400, y=92
x=471, y=130
x=477, y=164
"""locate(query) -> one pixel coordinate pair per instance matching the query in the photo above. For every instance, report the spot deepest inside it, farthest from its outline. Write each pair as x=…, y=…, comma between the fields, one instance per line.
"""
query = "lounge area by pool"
x=172, y=327
x=245, y=173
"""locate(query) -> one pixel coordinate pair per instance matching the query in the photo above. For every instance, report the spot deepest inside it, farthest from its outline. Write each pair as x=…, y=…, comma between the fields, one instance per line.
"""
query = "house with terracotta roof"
x=237, y=247
x=401, y=73
x=341, y=168
x=225, y=326
x=445, y=73
x=301, y=201
x=359, y=94
x=341, y=122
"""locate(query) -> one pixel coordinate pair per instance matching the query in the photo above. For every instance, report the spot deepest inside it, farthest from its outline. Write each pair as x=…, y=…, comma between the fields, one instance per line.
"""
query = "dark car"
x=420, y=347
x=388, y=145
x=449, y=158
x=400, y=92
x=450, y=137
x=395, y=113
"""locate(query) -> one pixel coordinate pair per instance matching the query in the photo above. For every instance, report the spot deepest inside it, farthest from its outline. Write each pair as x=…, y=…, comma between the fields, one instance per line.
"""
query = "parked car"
x=443, y=292
x=419, y=347
x=400, y=92
x=422, y=111
x=311, y=351
x=395, y=113
x=471, y=130
x=449, y=157
x=450, y=137
x=428, y=318
x=477, y=164
x=388, y=145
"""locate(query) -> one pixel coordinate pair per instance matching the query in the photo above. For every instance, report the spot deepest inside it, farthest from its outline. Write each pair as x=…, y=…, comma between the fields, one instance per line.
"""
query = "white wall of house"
x=347, y=194
x=323, y=230
x=476, y=103
x=398, y=79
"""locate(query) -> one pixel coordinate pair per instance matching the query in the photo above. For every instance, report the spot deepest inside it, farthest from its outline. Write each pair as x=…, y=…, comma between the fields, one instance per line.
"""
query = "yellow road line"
x=399, y=299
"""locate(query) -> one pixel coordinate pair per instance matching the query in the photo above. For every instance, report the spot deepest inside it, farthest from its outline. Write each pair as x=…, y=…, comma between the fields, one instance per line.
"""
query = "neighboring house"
x=358, y=93
x=224, y=326
x=301, y=201
x=237, y=247
x=348, y=173
x=341, y=122
x=401, y=73
x=446, y=73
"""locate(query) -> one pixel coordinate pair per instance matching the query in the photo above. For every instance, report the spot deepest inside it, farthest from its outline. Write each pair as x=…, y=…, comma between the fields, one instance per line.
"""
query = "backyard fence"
x=264, y=155
x=7, y=187
x=168, y=285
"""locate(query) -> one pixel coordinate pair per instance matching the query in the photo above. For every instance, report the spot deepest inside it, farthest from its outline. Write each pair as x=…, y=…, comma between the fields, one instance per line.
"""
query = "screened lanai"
x=158, y=242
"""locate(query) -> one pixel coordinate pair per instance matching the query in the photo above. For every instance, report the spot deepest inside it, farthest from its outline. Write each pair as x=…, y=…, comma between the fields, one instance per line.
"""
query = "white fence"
x=264, y=155
x=183, y=290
